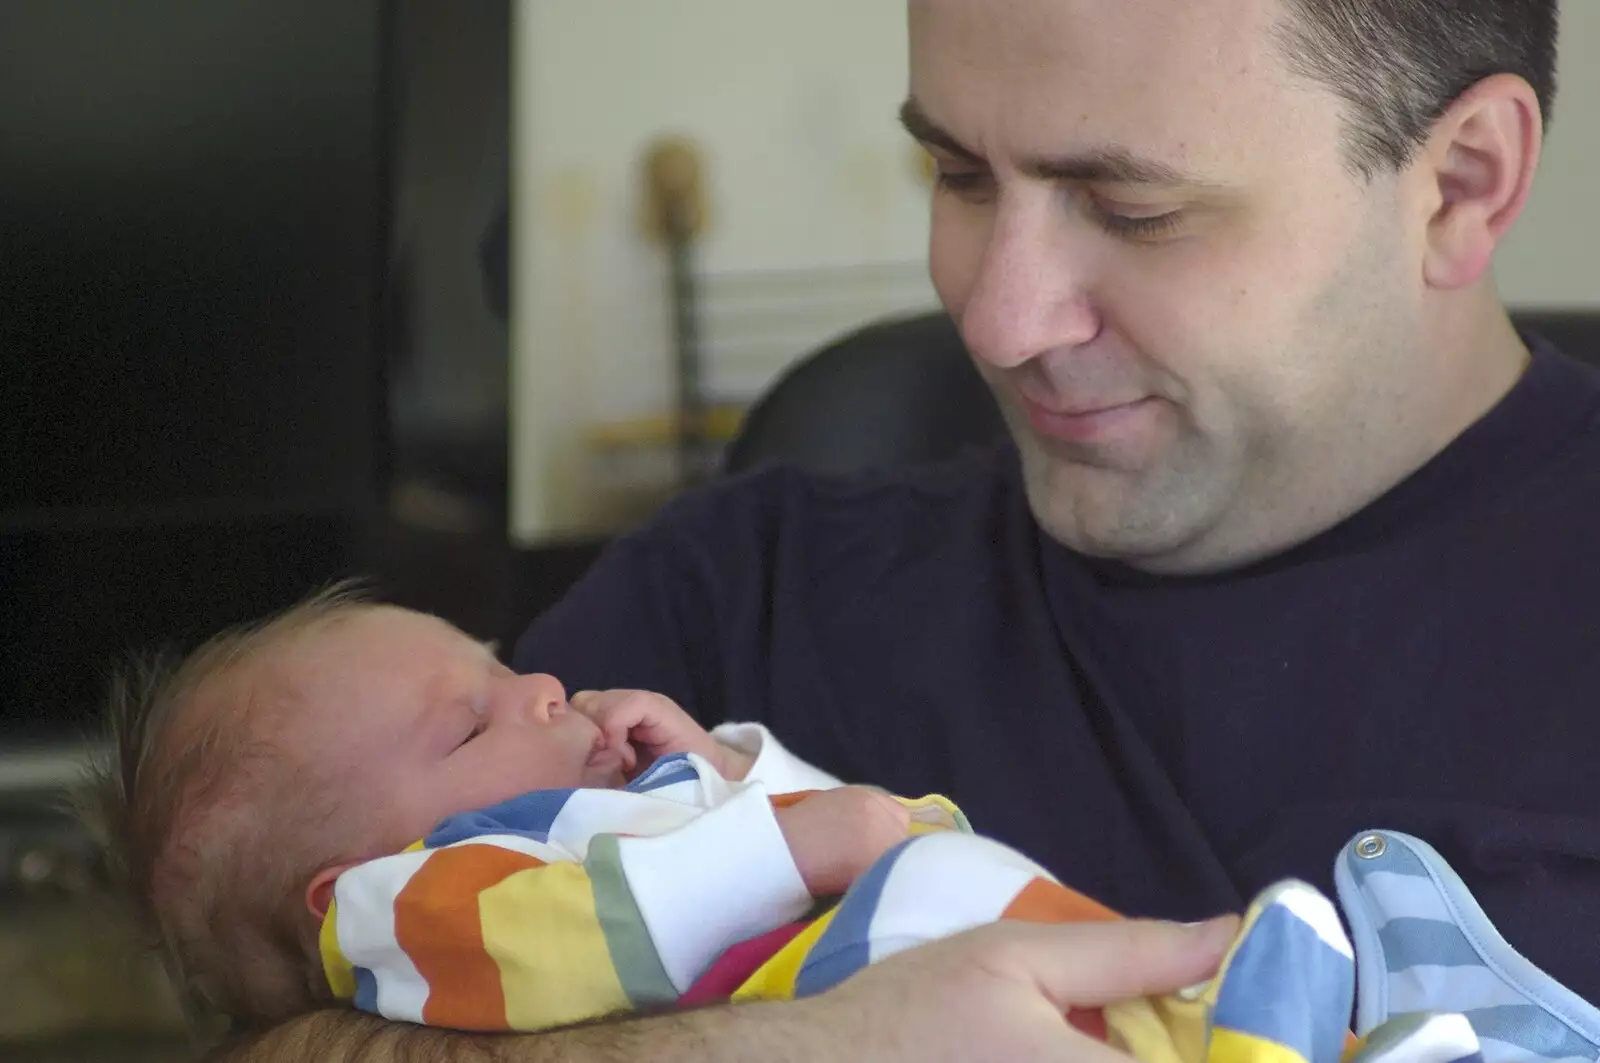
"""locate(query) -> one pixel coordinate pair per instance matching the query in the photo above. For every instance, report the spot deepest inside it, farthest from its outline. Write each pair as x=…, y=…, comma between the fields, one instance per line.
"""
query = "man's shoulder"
x=1570, y=386
x=691, y=603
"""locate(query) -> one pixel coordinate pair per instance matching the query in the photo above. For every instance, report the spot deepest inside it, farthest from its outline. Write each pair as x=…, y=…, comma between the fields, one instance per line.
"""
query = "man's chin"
x=1094, y=529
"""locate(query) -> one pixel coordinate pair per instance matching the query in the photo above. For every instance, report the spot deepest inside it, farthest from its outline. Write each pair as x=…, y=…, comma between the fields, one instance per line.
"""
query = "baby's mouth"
x=600, y=753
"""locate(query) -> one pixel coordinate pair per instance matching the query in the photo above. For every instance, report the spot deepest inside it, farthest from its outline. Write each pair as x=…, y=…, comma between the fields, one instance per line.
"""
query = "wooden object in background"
x=676, y=215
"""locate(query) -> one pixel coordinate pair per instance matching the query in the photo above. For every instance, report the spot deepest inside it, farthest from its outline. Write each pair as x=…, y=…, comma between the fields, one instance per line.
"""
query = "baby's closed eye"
x=475, y=727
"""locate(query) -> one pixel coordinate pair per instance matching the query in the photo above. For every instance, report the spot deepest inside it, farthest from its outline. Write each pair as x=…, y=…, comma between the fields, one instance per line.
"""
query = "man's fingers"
x=1090, y=964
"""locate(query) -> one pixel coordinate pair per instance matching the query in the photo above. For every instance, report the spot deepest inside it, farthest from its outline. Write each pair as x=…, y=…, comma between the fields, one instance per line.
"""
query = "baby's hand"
x=835, y=835
x=644, y=726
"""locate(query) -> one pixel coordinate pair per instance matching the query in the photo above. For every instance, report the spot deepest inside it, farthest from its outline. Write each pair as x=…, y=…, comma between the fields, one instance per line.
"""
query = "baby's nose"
x=539, y=696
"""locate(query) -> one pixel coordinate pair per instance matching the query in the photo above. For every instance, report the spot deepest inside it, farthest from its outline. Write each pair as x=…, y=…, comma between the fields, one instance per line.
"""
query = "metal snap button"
x=1371, y=846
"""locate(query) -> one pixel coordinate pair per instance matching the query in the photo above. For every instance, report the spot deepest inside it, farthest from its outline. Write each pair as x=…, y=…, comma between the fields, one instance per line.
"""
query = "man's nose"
x=520, y=698
x=1029, y=295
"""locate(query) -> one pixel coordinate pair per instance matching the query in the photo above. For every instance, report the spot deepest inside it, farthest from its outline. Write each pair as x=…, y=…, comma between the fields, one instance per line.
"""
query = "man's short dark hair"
x=1401, y=63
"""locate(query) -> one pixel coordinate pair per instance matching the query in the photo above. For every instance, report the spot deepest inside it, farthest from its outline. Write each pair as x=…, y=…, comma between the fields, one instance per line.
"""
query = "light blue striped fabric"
x=1424, y=945
x=1425, y=1038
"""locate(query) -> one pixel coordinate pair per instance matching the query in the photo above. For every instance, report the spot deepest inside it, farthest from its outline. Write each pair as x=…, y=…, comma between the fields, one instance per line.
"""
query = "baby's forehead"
x=378, y=628
x=383, y=647
x=273, y=671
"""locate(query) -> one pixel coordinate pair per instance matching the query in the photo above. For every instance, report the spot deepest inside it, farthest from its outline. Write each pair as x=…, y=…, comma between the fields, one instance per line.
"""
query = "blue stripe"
x=668, y=771
x=846, y=946
x=1286, y=985
x=529, y=815
x=366, y=991
x=1531, y=1029
x=1425, y=942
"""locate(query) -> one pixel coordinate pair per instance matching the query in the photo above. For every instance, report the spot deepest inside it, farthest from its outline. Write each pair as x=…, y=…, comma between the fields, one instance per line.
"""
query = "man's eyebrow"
x=1111, y=166
x=926, y=131
x=1104, y=166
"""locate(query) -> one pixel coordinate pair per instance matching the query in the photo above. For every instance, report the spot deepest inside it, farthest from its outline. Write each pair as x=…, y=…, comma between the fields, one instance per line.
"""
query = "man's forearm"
x=773, y=1033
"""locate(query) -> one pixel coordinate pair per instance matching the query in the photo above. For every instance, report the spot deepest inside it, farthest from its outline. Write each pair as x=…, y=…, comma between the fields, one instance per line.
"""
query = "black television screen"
x=193, y=235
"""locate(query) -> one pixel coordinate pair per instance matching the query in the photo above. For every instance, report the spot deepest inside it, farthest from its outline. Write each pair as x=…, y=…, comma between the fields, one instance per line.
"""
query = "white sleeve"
x=779, y=770
x=725, y=878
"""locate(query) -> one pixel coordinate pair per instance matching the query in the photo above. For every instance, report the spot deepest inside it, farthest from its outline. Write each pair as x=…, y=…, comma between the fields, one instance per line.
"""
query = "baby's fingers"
x=616, y=716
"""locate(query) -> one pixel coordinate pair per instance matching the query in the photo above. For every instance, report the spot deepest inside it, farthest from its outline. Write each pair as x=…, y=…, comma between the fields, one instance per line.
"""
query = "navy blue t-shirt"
x=1167, y=745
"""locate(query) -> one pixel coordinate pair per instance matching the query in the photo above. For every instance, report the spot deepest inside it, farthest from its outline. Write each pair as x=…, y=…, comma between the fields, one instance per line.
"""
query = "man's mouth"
x=1087, y=422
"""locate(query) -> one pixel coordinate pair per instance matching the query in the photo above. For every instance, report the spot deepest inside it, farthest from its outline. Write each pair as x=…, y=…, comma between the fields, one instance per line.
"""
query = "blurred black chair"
x=894, y=393
x=904, y=391
x=1575, y=331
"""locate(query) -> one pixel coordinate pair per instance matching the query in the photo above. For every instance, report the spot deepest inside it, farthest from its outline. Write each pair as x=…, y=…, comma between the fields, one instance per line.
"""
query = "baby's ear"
x=319, y=893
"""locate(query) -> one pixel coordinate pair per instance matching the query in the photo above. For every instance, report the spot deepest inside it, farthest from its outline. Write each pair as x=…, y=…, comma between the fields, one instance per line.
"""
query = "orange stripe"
x=785, y=800
x=436, y=922
x=1043, y=901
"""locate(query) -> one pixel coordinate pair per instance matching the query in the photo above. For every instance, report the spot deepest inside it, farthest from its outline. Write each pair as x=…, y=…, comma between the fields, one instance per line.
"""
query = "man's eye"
x=1139, y=227
x=477, y=729
x=965, y=184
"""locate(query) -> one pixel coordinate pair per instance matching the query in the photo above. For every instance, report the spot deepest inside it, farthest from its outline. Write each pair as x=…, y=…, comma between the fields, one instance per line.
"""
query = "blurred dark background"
x=252, y=325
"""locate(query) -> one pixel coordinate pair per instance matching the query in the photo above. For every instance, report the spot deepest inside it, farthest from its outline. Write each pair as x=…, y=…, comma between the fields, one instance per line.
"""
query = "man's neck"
x=1478, y=356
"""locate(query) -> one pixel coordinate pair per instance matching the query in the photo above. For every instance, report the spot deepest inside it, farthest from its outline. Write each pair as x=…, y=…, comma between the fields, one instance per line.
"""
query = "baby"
x=357, y=803
x=285, y=764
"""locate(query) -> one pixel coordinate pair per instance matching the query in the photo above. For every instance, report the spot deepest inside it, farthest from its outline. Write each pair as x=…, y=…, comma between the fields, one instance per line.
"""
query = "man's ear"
x=319, y=892
x=1483, y=154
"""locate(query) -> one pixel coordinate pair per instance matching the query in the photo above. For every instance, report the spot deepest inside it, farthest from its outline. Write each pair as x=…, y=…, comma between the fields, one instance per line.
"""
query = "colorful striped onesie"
x=561, y=906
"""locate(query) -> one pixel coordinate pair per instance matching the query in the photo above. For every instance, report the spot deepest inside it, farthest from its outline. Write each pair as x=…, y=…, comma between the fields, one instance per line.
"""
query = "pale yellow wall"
x=1553, y=255
x=794, y=104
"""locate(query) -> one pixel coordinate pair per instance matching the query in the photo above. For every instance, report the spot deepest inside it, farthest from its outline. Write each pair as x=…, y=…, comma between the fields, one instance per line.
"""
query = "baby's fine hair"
x=211, y=831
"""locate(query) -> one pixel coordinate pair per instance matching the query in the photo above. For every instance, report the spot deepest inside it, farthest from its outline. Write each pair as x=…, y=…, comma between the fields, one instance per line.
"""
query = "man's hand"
x=1002, y=992
x=835, y=835
x=644, y=726
x=998, y=993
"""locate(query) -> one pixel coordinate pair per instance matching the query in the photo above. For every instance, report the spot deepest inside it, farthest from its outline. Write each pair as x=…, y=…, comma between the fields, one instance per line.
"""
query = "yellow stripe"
x=341, y=974
x=774, y=980
x=1166, y=1029
x=1134, y=1027
x=541, y=928
x=933, y=813
x=1231, y=1046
